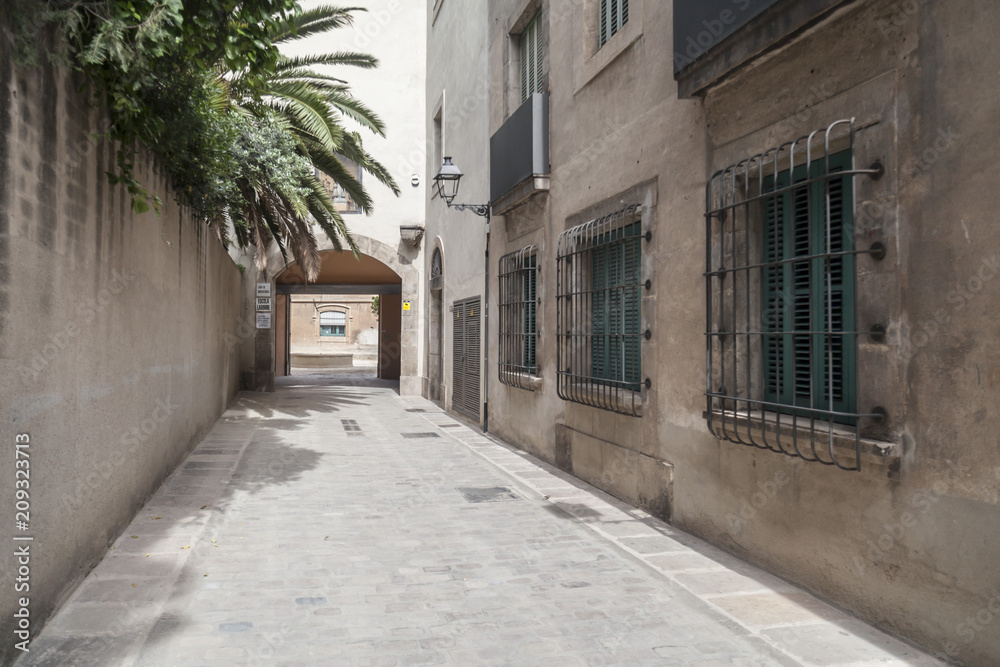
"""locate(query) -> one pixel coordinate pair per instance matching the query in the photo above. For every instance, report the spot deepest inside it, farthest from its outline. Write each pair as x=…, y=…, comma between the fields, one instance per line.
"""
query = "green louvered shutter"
x=599, y=316
x=632, y=250
x=531, y=59
x=797, y=368
x=775, y=315
x=613, y=15
x=530, y=308
x=615, y=308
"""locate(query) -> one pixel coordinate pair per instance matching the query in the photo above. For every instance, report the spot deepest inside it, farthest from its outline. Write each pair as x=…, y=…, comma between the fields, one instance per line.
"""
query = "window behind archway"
x=333, y=323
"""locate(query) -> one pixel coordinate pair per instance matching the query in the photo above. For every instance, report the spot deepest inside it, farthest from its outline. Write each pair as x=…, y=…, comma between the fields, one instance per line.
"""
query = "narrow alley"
x=334, y=522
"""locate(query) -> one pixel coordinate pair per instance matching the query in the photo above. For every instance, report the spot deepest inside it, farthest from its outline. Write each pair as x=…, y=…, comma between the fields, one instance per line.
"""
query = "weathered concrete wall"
x=914, y=549
x=910, y=543
x=119, y=337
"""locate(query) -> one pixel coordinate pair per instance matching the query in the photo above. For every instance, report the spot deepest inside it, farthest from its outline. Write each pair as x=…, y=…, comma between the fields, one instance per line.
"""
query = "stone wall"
x=119, y=337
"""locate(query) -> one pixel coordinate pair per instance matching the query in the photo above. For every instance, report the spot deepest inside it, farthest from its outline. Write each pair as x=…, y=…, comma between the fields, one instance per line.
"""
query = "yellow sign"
x=406, y=305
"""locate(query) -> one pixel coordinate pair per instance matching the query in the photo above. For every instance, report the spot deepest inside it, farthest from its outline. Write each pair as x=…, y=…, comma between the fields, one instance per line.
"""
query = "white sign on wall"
x=263, y=320
x=263, y=289
x=263, y=304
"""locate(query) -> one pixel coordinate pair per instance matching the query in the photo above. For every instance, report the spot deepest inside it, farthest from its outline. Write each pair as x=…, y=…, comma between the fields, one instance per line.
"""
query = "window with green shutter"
x=615, y=307
x=613, y=15
x=518, y=306
x=808, y=344
x=782, y=331
x=531, y=58
x=599, y=312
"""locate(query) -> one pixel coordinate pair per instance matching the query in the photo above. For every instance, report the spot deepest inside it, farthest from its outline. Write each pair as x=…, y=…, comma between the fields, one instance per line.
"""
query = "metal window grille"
x=333, y=323
x=599, y=293
x=781, y=309
x=518, y=302
x=613, y=15
x=531, y=59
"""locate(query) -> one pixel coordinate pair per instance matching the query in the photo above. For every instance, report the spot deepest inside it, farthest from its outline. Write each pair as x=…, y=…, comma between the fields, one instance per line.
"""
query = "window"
x=531, y=58
x=342, y=201
x=613, y=15
x=518, y=308
x=333, y=323
x=782, y=327
x=438, y=138
x=599, y=295
x=805, y=289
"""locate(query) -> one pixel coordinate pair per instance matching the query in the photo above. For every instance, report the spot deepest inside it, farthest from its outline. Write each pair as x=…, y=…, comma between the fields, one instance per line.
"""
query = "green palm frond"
x=308, y=110
x=353, y=150
x=303, y=101
x=332, y=167
x=317, y=20
x=304, y=74
x=345, y=58
x=353, y=108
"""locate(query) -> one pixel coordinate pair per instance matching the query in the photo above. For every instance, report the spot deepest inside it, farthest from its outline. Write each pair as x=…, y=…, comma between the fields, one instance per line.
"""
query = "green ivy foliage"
x=201, y=86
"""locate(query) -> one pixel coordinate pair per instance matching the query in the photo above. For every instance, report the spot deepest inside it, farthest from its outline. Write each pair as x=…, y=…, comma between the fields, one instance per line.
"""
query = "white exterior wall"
x=393, y=32
x=458, y=89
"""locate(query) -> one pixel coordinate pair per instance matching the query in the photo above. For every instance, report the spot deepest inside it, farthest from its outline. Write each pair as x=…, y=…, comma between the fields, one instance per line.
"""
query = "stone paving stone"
x=773, y=609
x=311, y=547
x=726, y=582
x=849, y=641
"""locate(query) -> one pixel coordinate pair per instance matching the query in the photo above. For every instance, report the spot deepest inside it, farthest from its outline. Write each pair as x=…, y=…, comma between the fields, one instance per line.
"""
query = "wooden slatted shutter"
x=631, y=267
x=613, y=15
x=530, y=312
x=531, y=59
x=805, y=295
x=599, y=315
x=615, y=307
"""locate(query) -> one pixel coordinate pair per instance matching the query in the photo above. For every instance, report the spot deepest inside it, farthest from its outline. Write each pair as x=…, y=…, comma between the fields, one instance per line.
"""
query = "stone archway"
x=403, y=306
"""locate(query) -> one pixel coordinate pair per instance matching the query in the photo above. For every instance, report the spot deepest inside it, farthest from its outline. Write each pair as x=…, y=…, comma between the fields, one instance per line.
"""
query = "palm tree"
x=308, y=105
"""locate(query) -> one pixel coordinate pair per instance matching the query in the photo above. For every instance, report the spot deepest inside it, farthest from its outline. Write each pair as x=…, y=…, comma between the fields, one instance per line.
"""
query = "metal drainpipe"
x=486, y=331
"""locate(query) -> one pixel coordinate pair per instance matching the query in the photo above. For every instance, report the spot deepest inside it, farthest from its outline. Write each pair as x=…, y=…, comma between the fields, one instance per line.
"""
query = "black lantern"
x=446, y=181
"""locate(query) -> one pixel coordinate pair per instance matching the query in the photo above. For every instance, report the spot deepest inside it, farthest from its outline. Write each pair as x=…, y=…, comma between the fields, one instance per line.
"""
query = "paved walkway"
x=339, y=524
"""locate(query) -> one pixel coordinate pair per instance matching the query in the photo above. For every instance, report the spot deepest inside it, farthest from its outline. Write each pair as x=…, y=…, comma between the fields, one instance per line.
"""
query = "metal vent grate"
x=351, y=427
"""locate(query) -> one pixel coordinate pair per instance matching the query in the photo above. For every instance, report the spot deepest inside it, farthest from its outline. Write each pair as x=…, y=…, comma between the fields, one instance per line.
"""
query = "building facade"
x=332, y=321
x=455, y=257
x=740, y=275
x=390, y=261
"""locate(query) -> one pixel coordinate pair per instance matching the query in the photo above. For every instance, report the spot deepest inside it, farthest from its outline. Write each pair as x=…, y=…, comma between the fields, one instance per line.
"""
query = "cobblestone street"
x=336, y=523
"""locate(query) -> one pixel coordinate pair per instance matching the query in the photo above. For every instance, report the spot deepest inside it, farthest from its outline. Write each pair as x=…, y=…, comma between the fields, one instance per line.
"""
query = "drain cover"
x=420, y=435
x=487, y=494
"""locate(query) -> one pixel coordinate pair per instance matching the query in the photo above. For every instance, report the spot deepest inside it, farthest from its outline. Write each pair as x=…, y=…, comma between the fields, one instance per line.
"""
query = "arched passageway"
x=341, y=277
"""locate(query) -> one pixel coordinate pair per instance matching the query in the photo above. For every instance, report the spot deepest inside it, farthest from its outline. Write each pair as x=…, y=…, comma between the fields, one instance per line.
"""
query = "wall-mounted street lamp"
x=446, y=186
